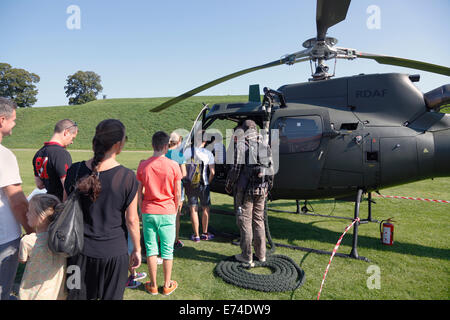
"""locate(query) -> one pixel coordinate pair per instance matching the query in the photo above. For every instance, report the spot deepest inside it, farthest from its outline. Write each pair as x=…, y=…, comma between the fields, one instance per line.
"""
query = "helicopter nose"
x=442, y=153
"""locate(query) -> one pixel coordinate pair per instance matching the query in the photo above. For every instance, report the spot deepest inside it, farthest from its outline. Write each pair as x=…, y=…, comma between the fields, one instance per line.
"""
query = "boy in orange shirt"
x=159, y=193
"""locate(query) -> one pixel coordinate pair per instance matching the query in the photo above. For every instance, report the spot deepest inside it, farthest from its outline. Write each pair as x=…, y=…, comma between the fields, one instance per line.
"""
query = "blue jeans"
x=9, y=261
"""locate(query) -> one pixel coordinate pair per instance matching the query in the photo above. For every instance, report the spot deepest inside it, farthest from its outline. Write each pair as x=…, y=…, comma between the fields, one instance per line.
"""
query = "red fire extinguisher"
x=387, y=232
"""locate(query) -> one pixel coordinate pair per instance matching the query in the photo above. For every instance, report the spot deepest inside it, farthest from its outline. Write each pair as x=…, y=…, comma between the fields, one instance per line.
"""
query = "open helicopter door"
x=196, y=129
x=303, y=142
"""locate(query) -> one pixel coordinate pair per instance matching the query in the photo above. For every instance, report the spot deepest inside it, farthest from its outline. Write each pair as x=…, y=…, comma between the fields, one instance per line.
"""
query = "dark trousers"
x=101, y=278
x=251, y=224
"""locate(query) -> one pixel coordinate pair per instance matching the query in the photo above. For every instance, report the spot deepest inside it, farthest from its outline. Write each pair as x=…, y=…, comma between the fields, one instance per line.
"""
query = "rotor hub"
x=311, y=43
x=321, y=49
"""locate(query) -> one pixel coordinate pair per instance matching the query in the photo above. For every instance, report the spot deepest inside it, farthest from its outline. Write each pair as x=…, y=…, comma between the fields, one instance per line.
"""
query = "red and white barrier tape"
x=334, y=252
x=412, y=198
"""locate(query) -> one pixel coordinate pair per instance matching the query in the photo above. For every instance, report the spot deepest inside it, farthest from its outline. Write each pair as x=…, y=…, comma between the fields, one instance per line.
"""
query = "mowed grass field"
x=417, y=266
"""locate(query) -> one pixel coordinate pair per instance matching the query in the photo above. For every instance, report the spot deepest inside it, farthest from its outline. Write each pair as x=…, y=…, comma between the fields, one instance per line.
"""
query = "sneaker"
x=207, y=236
x=195, y=239
x=140, y=275
x=171, y=289
x=132, y=283
x=177, y=245
x=263, y=259
x=240, y=258
x=152, y=290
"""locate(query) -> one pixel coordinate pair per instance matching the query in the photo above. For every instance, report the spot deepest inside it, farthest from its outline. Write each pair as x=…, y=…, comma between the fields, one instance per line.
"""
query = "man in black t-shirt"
x=51, y=162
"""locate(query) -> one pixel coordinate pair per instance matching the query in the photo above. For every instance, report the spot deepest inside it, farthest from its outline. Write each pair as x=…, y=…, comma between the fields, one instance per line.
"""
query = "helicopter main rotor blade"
x=329, y=13
x=210, y=84
x=402, y=62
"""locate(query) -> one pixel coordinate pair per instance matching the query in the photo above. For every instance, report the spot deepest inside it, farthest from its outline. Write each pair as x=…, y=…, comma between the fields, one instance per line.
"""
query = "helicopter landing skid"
x=353, y=253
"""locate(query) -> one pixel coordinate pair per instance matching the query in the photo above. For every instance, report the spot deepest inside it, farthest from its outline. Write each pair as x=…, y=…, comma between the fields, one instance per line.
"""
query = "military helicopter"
x=342, y=137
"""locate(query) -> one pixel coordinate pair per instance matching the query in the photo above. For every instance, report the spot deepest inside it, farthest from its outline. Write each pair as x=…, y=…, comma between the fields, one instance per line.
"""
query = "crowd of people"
x=113, y=199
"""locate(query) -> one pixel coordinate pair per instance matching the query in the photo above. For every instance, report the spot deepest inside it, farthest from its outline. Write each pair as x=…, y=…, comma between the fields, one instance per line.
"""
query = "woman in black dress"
x=109, y=202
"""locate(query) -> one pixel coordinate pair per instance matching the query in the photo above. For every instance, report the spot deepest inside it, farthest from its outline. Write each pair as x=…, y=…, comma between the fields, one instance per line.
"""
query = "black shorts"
x=202, y=193
x=101, y=278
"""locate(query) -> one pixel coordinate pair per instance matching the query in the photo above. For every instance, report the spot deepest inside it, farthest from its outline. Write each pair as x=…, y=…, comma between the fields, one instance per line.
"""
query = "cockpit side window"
x=299, y=134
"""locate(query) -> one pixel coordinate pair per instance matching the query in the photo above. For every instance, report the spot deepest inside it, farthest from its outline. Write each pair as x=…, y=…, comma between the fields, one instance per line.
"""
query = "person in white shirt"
x=13, y=203
x=202, y=192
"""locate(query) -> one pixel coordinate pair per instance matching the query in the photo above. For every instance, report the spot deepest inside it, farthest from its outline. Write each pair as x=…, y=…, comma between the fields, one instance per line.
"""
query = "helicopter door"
x=399, y=163
x=198, y=125
x=302, y=149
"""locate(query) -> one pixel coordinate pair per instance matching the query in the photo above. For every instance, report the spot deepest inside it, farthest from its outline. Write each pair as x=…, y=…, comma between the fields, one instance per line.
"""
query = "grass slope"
x=35, y=125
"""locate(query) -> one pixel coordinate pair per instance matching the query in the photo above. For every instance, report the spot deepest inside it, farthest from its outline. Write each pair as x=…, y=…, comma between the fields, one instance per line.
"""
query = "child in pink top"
x=159, y=193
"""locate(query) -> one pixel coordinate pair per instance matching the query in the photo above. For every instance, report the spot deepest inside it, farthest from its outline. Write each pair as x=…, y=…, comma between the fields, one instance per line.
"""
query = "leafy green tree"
x=18, y=85
x=84, y=86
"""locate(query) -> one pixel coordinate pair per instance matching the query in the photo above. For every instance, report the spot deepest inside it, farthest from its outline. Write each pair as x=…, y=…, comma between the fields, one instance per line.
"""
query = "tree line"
x=20, y=85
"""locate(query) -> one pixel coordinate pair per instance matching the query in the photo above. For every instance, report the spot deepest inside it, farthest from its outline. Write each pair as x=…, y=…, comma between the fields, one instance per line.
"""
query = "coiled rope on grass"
x=286, y=274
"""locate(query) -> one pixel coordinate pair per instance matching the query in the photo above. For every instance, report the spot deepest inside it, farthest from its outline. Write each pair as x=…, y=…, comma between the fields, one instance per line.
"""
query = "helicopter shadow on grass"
x=296, y=232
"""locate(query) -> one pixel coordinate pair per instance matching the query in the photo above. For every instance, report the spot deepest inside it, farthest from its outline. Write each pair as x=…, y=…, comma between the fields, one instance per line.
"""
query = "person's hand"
x=135, y=259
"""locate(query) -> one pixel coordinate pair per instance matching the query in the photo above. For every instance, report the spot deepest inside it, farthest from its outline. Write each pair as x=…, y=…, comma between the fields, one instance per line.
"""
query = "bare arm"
x=19, y=204
x=63, y=179
x=177, y=194
x=132, y=221
x=39, y=183
x=212, y=172
x=183, y=170
x=140, y=194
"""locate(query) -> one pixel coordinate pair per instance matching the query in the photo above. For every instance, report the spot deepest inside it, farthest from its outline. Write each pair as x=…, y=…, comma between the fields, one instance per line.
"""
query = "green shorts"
x=162, y=225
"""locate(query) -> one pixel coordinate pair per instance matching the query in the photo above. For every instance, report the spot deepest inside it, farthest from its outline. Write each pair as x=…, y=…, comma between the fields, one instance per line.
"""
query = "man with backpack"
x=200, y=173
x=249, y=179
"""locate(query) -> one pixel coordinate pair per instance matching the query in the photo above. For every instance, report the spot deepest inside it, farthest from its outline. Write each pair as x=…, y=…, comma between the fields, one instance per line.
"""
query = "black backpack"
x=258, y=171
x=66, y=231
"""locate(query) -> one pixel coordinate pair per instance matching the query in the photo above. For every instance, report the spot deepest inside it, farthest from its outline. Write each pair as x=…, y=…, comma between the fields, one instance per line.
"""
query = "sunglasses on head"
x=73, y=125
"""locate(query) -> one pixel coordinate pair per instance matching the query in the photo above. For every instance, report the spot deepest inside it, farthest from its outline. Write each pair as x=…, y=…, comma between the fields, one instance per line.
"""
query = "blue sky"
x=164, y=48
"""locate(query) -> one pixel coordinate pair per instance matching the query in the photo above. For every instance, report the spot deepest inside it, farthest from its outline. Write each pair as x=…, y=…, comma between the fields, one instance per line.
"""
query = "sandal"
x=207, y=236
x=195, y=239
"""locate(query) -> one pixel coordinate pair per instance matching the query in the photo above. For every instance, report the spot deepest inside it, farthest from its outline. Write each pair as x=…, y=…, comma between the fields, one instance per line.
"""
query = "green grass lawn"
x=417, y=266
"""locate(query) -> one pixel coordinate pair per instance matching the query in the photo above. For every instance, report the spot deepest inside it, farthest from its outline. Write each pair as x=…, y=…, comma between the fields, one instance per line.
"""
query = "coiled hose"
x=286, y=274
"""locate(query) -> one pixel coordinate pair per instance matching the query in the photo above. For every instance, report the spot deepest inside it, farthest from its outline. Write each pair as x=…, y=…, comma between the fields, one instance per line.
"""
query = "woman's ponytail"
x=107, y=133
